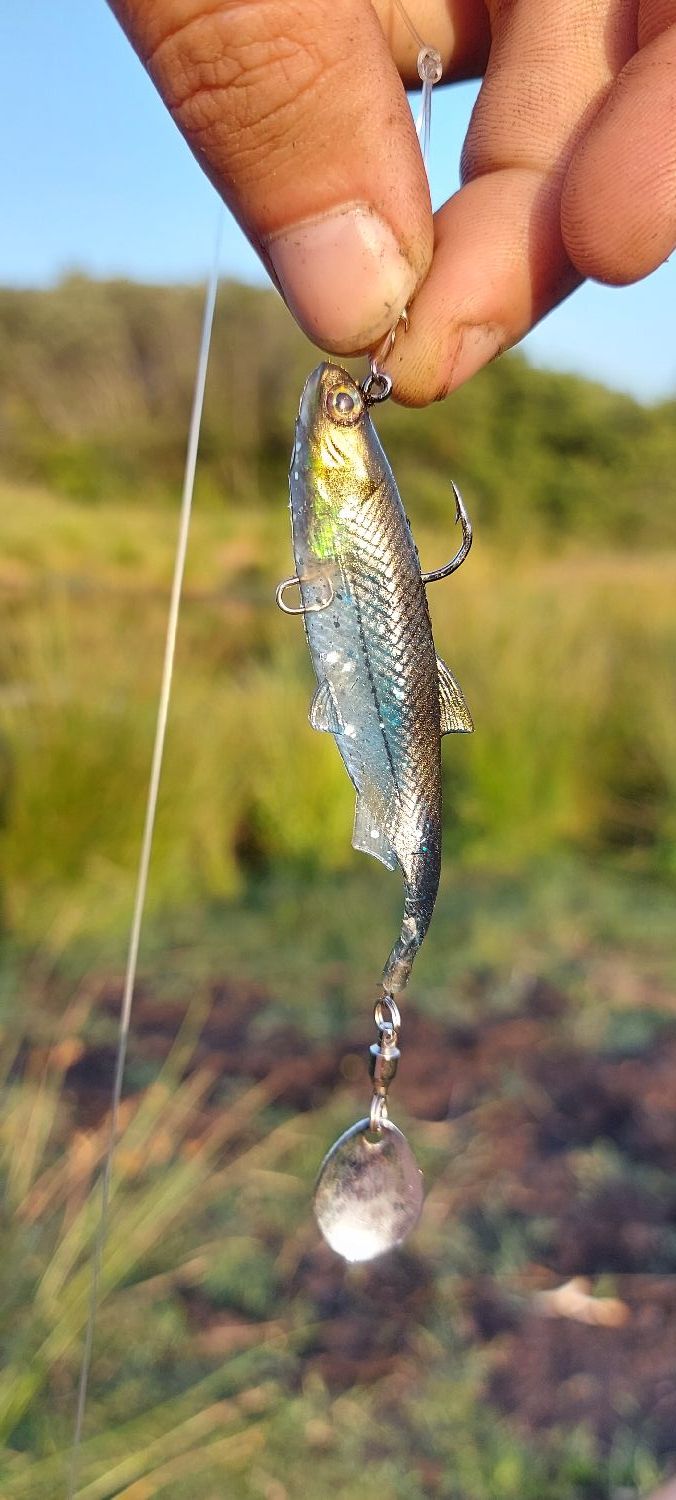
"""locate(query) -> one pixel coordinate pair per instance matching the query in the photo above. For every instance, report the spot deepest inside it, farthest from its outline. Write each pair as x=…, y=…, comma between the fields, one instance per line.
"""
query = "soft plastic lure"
x=382, y=691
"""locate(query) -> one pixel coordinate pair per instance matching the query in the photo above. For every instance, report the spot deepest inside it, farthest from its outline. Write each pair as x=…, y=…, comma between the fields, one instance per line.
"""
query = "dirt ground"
x=581, y=1142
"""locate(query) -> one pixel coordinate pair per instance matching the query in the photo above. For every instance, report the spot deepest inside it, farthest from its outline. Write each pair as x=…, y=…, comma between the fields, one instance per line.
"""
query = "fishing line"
x=147, y=840
x=429, y=67
x=378, y=384
x=429, y=73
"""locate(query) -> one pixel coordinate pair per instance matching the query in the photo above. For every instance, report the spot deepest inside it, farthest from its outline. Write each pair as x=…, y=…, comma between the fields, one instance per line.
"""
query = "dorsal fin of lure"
x=455, y=715
x=324, y=711
x=368, y=836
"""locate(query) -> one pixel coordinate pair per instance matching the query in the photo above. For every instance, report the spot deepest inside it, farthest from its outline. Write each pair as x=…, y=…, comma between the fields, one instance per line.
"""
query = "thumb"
x=295, y=110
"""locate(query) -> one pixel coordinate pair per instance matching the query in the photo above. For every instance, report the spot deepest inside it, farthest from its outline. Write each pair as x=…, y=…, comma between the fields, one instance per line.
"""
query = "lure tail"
x=420, y=894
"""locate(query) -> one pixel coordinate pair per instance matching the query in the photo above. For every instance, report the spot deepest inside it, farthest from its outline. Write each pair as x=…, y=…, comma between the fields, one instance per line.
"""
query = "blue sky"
x=95, y=177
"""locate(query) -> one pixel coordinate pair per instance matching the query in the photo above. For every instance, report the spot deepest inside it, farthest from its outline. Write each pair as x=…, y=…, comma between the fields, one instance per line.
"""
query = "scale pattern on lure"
x=382, y=691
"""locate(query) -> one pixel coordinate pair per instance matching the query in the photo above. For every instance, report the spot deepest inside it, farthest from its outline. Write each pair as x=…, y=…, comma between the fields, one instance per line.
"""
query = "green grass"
x=560, y=855
x=567, y=666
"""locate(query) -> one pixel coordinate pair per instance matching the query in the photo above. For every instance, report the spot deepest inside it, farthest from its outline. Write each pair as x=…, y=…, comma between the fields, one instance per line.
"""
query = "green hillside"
x=96, y=377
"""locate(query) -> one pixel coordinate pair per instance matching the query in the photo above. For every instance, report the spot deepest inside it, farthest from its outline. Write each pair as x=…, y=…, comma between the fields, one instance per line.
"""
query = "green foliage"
x=165, y=1181
x=96, y=380
x=567, y=666
x=241, y=1275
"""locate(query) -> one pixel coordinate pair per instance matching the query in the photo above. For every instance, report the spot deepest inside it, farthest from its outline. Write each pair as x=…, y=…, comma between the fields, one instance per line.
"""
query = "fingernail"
x=477, y=346
x=343, y=276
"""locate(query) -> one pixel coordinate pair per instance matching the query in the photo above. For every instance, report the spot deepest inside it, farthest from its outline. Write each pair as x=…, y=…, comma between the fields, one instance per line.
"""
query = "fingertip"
x=605, y=239
x=596, y=253
x=499, y=265
x=618, y=207
x=445, y=361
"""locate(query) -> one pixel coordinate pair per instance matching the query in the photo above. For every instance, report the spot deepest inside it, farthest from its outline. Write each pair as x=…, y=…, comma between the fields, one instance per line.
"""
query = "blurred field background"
x=234, y=1355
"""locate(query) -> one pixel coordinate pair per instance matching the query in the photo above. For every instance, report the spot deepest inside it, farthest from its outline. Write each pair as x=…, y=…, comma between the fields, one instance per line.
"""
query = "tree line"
x=96, y=382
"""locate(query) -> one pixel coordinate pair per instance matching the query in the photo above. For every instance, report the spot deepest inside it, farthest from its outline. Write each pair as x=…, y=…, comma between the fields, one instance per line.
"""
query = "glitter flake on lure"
x=382, y=691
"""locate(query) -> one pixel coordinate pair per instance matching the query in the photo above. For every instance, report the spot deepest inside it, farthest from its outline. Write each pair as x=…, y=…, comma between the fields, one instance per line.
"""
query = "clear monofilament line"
x=429, y=73
x=378, y=384
x=146, y=843
x=409, y=24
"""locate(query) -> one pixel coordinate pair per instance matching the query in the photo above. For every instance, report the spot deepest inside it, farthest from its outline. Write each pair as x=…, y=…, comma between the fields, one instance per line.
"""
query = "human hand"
x=295, y=110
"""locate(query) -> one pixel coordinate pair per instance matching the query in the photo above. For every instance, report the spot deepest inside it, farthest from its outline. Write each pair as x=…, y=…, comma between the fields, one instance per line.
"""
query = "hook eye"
x=377, y=386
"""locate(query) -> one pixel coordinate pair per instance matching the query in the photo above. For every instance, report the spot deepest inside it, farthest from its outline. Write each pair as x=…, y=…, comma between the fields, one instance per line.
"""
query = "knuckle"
x=238, y=71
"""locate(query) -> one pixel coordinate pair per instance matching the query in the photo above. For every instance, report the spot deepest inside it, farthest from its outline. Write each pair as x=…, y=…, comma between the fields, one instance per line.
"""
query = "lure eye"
x=344, y=405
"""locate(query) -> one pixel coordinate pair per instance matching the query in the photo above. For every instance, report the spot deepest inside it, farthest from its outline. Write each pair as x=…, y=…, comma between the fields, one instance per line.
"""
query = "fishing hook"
x=305, y=609
x=461, y=516
x=378, y=384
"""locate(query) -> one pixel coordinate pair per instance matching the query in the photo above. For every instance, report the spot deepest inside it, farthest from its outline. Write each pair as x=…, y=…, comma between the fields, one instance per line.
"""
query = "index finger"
x=500, y=261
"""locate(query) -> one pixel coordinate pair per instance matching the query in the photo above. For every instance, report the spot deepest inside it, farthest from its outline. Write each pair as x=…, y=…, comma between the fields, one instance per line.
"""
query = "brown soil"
x=579, y=1143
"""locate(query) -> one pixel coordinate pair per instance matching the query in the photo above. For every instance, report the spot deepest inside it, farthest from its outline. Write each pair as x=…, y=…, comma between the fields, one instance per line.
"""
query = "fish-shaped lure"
x=382, y=691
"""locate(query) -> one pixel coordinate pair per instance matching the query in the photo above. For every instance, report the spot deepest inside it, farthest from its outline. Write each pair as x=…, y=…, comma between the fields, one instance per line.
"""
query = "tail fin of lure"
x=400, y=962
x=420, y=889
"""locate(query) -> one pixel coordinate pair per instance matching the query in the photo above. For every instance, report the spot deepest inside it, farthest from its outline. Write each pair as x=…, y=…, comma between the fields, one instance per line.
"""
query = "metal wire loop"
x=377, y=386
x=302, y=609
x=387, y=1015
x=378, y=1115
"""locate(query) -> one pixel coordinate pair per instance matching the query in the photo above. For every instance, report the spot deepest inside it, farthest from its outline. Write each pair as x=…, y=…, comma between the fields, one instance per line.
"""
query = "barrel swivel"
x=383, y=1057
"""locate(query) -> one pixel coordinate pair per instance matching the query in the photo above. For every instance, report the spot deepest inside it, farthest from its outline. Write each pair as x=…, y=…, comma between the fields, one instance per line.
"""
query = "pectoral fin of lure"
x=324, y=711
x=369, y=838
x=455, y=715
x=461, y=516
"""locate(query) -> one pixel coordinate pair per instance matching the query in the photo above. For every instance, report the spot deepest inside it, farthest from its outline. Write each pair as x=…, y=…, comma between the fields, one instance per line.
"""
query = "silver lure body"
x=381, y=691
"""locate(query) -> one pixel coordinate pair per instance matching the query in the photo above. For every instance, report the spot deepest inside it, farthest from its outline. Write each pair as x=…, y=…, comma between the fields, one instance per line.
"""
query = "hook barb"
x=451, y=567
